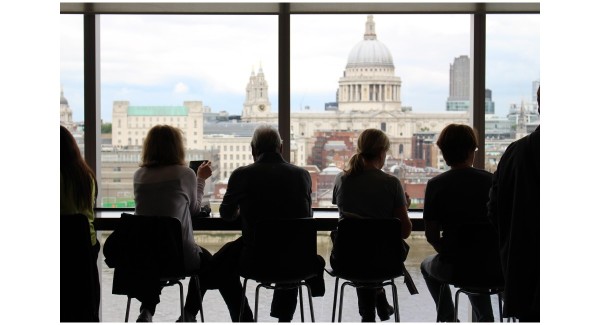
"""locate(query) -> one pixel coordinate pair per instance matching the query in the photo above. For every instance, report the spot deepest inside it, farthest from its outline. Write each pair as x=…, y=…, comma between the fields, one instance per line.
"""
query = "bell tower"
x=257, y=95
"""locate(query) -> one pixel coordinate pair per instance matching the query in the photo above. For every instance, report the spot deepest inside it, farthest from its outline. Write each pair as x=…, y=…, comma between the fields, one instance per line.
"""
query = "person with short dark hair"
x=453, y=199
x=514, y=209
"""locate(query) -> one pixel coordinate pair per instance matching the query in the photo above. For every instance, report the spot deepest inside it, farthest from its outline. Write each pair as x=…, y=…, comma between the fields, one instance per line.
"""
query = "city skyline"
x=130, y=68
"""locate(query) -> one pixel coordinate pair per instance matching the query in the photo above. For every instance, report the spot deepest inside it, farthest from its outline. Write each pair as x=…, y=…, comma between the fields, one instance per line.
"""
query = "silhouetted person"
x=514, y=209
x=364, y=190
x=165, y=186
x=78, y=193
x=269, y=188
x=454, y=199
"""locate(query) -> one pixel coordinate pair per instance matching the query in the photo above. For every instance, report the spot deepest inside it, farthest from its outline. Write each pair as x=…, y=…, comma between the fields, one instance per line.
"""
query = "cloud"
x=213, y=56
x=180, y=88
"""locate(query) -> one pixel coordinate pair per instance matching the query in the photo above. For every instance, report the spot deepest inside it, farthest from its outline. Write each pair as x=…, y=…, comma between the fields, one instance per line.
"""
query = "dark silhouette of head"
x=457, y=142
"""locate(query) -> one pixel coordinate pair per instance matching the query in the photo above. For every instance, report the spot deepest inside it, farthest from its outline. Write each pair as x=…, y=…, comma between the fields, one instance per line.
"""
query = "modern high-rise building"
x=460, y=84
x=460, y=87
x=490, y=106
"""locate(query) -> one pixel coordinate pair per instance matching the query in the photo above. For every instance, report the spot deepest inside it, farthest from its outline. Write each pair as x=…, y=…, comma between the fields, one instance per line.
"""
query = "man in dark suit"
x=270, y=188
x=514, y=208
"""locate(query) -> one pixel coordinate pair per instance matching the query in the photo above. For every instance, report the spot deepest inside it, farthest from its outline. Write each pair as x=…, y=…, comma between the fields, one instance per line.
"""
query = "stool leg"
x=256, y=302
x=181, y=300
x=456, y=305
x=127, y=310
x=335, y=292
x=341, y=301
x=395, y=300
x=301, y=303
x=310, y=303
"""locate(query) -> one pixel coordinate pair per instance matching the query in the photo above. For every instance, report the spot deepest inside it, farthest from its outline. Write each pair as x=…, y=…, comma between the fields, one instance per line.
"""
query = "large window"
x=389, y=72
x=216, y=73
x=183, y=71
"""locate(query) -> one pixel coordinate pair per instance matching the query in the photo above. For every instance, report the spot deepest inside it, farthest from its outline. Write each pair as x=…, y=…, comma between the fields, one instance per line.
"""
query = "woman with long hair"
x=364, y=190
x=165, y=186
x=78, y=192
x=78, y=186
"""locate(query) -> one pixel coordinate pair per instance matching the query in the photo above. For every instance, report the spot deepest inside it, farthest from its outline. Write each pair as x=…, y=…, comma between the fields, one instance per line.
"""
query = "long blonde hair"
x=371, y=143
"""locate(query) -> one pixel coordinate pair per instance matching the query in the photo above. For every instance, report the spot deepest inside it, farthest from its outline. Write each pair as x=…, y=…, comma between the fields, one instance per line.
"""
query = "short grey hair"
x=266, y=139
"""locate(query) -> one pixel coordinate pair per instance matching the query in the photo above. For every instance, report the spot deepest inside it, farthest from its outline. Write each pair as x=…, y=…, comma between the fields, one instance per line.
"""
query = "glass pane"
x=389, y=72
x=71, y=76
x=512, y=76
x=184, y=71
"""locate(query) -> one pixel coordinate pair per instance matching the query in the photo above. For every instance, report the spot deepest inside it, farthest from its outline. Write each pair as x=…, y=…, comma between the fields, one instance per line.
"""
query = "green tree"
x=106, y=128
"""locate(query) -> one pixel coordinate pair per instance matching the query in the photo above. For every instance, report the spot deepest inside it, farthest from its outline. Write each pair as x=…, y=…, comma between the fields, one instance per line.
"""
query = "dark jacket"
x=514, y=208
x=270, y=188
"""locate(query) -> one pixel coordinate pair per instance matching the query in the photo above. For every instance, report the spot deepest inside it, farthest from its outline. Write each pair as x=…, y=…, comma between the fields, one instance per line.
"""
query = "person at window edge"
x=514, y=209
x=78, y=194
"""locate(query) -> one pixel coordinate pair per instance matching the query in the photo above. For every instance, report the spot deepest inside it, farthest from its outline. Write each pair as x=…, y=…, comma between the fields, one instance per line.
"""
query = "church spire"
x=370, y=29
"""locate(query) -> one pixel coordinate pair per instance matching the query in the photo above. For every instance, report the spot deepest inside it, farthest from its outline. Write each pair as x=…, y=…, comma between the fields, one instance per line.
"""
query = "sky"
x=165, y=60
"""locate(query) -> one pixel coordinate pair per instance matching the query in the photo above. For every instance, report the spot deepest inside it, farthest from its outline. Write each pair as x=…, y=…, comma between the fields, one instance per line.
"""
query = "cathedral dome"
x=370, y=52
x=63, y=100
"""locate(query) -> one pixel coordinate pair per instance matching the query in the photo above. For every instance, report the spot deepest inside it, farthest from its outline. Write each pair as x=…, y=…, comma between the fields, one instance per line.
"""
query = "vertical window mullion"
x=284, y=113
x=91, y=91
x=477, y=107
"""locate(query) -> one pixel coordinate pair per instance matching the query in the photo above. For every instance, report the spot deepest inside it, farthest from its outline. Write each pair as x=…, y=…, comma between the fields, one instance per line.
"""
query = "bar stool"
x=479, y=291
x=145, y=249
x=477, y=270
x=283, y=257
x=367, y=254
